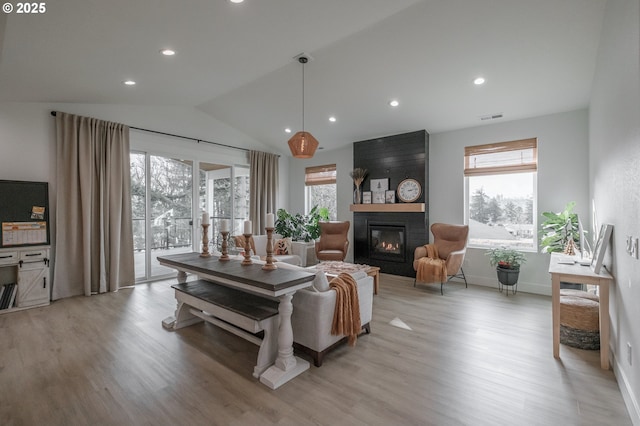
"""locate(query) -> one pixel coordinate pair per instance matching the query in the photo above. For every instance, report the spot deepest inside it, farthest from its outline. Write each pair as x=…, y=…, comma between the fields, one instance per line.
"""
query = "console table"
x=280, y=284
x=576, y=273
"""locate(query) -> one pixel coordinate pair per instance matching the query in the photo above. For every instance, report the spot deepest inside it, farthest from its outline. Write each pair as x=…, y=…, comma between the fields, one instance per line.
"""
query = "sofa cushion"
x=282, y=246
x=320, y=282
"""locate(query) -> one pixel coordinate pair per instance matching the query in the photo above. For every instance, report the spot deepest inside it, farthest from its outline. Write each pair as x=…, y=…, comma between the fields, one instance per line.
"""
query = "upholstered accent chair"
x=450, y=242
x=334, y=241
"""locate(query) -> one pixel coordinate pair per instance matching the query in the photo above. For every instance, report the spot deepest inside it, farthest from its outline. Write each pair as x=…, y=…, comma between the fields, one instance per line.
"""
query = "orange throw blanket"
x=431, y=269
x=346, y=317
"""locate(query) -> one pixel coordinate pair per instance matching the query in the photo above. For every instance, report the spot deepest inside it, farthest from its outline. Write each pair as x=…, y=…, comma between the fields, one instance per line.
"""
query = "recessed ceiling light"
x=332, y=119
x=394, y=103
x=478, y=81
x=168, y=52
x=129, y=82
x=236, y=1
x=287, y=130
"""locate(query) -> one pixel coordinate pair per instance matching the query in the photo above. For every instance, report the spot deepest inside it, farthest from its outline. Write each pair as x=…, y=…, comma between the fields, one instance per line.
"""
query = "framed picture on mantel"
x=378, y=197
x=366, y=197
x=378, y=185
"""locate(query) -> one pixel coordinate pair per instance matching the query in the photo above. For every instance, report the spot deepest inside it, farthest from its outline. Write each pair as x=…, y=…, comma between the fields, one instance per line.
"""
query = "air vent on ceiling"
x=490, y=116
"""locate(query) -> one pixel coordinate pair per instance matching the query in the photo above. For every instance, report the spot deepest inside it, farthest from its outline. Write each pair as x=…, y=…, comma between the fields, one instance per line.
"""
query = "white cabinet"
x=29, y=269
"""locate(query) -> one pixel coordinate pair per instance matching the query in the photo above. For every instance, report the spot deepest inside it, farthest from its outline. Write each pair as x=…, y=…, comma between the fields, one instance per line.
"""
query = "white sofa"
x=313, y=314
x=260, y=242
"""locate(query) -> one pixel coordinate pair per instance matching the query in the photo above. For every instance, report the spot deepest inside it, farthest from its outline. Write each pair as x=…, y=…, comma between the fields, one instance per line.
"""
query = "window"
x=320, y=182
x=500, y=194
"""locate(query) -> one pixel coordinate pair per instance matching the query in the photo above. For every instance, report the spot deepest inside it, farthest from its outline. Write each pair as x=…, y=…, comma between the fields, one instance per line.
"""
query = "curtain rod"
x=53, y=113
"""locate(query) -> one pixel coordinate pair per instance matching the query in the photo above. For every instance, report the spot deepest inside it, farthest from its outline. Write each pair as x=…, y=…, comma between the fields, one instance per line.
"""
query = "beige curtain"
x=263, y=188
x=94, y=238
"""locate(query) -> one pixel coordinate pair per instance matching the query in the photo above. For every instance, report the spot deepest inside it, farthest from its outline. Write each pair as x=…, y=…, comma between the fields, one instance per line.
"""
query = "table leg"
x=555, y=309
x=170, y=322
x=287, y=366
x=604, y=324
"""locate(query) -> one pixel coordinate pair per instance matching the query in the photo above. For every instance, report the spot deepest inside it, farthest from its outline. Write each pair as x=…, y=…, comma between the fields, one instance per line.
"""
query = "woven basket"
x=579, y=293
x=579, y=322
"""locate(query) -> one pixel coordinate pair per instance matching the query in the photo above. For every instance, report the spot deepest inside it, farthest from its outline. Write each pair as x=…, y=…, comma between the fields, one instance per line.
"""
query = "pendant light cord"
x=303, y=61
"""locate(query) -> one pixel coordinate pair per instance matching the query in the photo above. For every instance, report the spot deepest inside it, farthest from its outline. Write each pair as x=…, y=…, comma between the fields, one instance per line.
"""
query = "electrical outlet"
x=629, y=353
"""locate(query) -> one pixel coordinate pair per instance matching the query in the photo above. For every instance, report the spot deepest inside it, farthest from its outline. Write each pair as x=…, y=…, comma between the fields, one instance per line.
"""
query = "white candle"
x=270, y=220
x=205, y=218
x=224, y=225
x=247, y=226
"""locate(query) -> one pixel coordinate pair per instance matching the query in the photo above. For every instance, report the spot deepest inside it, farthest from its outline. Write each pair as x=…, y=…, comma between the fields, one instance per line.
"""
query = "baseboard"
x=630, y=400
x=523, y=286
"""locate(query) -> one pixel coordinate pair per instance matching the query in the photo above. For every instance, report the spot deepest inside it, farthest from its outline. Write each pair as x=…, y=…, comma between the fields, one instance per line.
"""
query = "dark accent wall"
x=397, y=158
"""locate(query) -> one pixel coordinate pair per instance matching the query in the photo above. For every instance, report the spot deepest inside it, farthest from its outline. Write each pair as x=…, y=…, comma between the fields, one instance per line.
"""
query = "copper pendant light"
x=303, y=144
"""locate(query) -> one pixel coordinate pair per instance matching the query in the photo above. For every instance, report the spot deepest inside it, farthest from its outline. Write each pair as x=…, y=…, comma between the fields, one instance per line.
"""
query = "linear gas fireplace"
x=387, y=242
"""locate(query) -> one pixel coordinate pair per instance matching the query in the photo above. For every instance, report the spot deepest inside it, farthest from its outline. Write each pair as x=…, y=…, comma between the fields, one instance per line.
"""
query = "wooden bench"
x=236, y=311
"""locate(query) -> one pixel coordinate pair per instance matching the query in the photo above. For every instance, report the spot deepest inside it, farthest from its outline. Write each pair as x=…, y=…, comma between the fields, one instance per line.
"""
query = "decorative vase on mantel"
x=357, y=195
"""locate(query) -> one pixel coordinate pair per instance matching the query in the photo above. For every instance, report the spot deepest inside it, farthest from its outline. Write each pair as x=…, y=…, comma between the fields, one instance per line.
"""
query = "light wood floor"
x=474, y=357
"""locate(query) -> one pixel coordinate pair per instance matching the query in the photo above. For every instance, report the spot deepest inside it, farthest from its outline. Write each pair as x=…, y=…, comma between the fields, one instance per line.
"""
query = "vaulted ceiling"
x=235, y=61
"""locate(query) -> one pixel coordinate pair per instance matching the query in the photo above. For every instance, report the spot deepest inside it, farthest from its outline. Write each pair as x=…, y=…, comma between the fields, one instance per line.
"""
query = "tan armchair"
x=450, y=244
x=334, y=241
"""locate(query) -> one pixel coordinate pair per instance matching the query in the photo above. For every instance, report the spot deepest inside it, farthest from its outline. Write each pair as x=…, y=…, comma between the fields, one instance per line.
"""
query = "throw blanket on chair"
x=431, y=269
x=346, y=317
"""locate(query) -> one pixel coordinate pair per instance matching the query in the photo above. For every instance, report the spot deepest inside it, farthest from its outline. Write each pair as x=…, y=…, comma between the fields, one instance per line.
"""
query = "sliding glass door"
x=162, y=194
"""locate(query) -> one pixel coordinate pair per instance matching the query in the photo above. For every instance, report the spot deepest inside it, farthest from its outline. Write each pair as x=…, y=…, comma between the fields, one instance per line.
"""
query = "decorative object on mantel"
x=366, y=197
x=390, y=196
x=303, y=144
x=409, y=190
x=358, y=174
x=379, y=185
x=378, y=197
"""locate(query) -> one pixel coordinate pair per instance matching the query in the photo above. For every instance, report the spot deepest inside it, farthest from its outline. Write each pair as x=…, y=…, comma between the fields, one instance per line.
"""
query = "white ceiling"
x=235, y=62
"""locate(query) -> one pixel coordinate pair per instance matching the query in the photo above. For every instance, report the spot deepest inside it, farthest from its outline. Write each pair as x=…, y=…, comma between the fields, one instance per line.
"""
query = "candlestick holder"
x=247, y=250
x=269, y=266
x=225, y=246
x=205, y=241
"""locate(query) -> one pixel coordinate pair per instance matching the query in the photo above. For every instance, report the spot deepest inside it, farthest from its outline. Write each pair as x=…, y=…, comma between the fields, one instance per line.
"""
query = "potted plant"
x=507, y=262
x=300, y=227
x=559, y=229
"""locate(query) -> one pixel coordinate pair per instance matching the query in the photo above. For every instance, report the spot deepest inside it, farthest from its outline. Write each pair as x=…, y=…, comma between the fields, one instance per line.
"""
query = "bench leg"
x=183, y=318
x=269, y=346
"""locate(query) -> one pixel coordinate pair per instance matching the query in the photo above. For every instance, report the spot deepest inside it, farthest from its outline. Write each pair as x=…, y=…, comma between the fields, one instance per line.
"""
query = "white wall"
x=343, y=159
x=614, y=142
x=562, y=177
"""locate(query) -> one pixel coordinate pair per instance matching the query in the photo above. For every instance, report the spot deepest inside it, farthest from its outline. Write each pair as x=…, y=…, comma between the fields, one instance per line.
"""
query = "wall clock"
x=409, y=190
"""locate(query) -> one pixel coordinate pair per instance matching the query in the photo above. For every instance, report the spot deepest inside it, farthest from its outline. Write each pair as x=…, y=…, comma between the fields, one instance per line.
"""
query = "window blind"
x=503, y=157
x=320, y=175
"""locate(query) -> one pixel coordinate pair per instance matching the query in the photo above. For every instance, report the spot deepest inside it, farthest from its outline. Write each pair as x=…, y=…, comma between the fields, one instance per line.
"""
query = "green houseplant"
x=300, y=227
x=559, y=228
x=507, y=262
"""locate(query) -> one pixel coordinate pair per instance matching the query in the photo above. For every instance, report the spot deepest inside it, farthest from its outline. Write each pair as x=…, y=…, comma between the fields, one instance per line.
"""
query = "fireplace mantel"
x=384, y=208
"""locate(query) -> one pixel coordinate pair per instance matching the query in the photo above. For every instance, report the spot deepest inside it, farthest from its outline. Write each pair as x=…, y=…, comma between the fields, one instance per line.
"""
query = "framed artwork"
x=390, y=196
x=366, y=197
x=601, y=247
x=379, y=184
x=378, y=197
